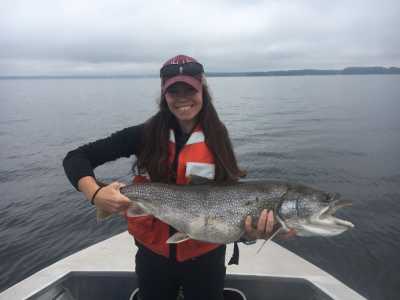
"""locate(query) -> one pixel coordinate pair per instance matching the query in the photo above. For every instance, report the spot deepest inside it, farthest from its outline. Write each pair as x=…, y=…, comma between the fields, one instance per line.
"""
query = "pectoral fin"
x=269, y=239
x=177, y=238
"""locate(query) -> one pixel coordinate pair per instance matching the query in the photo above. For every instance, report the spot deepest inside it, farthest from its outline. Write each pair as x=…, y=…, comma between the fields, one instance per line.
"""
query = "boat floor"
x=120, y=285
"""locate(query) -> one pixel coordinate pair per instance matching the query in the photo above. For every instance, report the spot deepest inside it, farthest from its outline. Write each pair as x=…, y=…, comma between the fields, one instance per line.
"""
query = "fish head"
x=310, y=213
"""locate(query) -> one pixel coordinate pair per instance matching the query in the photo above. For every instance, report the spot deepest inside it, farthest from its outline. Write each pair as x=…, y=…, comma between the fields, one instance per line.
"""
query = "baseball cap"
x=181, y=68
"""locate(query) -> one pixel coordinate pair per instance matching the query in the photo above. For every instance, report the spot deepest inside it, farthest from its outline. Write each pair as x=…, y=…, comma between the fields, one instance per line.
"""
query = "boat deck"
x=107, y=268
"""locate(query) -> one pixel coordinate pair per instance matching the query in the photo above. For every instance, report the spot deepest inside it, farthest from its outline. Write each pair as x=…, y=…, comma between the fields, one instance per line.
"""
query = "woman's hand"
x=265, y=226
x=110, y=199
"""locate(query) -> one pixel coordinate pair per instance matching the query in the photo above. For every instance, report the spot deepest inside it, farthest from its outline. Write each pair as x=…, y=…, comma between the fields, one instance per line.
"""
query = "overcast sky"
x=81, y=37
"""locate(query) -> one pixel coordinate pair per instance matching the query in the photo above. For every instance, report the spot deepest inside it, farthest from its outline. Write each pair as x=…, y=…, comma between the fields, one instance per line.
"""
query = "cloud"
x=135, y=37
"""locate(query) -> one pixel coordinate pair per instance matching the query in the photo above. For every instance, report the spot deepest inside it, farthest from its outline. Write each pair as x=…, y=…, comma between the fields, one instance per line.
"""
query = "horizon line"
x=288, y=72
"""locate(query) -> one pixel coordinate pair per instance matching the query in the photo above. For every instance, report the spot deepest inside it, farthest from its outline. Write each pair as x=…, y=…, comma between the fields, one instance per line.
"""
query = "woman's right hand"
x=110, y=199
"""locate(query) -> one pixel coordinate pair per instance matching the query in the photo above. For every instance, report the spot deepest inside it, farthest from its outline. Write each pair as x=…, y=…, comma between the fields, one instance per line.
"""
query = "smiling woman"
x=184, y=138
x=182, y=79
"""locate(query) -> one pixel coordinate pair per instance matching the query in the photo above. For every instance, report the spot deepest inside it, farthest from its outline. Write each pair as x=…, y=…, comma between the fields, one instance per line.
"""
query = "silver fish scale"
x=207, y=212
x=216, y=212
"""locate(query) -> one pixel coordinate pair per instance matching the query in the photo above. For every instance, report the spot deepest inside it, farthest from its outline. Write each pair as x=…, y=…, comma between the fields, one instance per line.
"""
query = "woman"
x=185, y=137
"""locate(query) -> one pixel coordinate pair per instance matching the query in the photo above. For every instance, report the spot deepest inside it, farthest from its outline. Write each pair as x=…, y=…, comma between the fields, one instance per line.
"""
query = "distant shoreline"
x=302, y=72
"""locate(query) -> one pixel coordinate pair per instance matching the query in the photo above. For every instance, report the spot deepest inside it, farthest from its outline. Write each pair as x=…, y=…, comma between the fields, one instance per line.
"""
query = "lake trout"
x=216, y=213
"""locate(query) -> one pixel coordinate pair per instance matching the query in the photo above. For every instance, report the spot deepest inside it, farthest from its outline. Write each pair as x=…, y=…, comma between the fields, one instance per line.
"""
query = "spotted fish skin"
x=216, y=212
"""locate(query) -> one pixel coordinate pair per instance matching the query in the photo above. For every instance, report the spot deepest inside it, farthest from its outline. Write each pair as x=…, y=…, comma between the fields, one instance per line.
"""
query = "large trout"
x=216, y=213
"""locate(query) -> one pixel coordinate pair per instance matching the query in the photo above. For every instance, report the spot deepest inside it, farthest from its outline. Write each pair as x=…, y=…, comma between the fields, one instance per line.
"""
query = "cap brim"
x=194, y=82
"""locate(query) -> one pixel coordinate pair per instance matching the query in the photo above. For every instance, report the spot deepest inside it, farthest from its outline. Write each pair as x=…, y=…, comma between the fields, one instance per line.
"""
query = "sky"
x=124, y=37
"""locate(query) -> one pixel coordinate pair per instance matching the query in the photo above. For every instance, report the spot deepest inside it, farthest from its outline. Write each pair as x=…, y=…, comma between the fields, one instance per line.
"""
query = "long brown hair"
x=154, y=155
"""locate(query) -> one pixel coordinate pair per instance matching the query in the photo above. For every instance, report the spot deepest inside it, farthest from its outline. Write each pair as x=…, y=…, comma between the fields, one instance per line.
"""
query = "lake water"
x=339, y=133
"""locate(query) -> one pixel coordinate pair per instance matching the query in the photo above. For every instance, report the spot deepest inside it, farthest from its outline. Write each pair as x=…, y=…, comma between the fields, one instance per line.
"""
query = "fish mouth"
x=325, y=223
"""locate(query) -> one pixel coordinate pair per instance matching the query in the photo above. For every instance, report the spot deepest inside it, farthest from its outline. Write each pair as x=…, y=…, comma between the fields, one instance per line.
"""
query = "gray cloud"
x=133, y=37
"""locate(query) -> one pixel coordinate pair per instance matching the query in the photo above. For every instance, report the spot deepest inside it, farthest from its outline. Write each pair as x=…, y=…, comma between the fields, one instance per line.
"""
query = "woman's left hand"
x=265, y=226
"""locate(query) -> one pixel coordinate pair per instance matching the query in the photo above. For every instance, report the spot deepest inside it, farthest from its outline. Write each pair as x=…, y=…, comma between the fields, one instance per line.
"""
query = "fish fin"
x=102, y=214
x=283, y=224
x=135, y=211
x=336, y=204
x=196, y=180
x=177, y=238
x=269, y=239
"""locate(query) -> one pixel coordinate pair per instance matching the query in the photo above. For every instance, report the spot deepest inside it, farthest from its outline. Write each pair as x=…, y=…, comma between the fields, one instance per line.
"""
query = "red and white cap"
x=193, y=80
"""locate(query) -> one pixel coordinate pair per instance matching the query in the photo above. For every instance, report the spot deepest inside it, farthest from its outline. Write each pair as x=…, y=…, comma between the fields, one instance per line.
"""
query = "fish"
x=216, y=213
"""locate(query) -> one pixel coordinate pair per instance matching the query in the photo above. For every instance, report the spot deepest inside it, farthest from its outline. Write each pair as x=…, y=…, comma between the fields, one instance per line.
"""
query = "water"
x=339, y=133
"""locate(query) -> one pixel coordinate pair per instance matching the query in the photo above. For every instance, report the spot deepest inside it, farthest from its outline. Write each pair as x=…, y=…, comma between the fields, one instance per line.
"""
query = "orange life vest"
x=194, y=159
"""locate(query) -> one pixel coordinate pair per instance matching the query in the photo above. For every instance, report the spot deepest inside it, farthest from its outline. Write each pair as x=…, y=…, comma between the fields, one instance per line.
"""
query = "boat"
x=106, y=271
